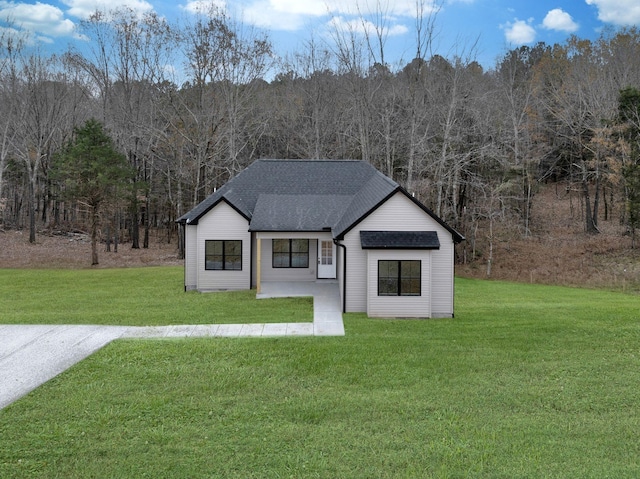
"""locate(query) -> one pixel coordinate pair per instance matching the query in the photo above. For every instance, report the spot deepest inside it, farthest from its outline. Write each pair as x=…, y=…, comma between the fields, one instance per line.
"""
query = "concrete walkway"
x=30, y=355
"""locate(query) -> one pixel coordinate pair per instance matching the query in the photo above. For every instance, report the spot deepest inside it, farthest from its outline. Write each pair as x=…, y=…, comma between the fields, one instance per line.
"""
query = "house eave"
x=262, y=230
x=412, y=248
x=194, y=221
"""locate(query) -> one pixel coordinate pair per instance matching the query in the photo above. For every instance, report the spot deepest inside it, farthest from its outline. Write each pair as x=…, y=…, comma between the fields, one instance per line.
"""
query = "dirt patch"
x=73, y=250
x=558, y=251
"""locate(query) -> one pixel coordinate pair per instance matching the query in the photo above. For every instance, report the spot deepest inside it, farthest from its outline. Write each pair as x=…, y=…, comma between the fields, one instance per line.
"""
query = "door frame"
x=329, y=271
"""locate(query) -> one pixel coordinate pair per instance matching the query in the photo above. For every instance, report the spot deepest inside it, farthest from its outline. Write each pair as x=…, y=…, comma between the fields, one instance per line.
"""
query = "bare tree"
x=43, y=117
x=419, y=114
x=10, y=48
x=128, y=63
x=214, y=113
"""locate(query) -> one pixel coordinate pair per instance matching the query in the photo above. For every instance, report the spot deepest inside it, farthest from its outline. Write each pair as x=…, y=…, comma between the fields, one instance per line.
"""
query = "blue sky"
x=493, y=26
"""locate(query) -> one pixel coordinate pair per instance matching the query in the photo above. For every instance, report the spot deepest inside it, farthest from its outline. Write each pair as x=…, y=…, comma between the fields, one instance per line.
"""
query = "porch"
x=327, y=309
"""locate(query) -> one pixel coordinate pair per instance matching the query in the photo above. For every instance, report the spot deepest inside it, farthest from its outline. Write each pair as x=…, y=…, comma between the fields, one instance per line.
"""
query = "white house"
x=311, y=220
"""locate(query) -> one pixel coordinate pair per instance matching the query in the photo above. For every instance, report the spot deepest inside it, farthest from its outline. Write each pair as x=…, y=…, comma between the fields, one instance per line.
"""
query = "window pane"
x=299, y=260
x=384, y=268
x=213, y=254
x=387, y=287
x=387, y=278
x=280, y=245
x=213, y=262
x=410, y=278
x=410, y=287
x=232, y=248
x=410, y=269
x=233, y=255
x=233, y=262
x=300, y=246
x=280, y=260
x=213, y=247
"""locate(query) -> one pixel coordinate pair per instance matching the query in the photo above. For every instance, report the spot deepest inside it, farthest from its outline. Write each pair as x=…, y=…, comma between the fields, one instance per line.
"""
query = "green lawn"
x=527, y=382
x=130, y=297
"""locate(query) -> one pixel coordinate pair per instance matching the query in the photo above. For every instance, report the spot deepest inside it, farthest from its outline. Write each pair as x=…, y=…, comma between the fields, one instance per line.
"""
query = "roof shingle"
x=304, y=195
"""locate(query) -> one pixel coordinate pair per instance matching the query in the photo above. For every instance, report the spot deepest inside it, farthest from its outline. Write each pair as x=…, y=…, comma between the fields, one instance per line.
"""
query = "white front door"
x=326, y=259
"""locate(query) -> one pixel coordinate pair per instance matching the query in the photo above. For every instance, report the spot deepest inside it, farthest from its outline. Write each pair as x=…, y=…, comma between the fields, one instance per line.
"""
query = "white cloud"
x=292, y=15
x=85, y=8
x=558, y=19
x=364, y=26
x=262, y=14
x=42, y=22
x=618, y=12
x=402, y=8
x=519, y=32
x=296, y=7
x=46, y=20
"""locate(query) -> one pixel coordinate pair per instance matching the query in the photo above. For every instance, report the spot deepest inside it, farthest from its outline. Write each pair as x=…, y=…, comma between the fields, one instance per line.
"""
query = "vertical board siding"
x=223, y=223
x=399, y=306
x=399, y=213
x=191, y=257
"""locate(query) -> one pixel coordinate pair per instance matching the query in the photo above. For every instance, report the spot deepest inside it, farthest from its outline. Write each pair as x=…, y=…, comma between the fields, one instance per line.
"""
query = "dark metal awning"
x=399, y=240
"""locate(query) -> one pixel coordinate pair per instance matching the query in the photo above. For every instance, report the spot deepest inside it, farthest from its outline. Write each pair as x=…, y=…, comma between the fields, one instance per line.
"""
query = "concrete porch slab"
x=327, y=310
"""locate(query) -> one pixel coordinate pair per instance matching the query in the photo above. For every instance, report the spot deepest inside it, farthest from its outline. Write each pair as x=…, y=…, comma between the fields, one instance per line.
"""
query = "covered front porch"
x=293, y=257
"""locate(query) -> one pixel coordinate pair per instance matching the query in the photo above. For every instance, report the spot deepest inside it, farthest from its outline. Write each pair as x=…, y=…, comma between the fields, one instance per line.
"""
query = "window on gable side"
x=223, y=255
x=399, y=277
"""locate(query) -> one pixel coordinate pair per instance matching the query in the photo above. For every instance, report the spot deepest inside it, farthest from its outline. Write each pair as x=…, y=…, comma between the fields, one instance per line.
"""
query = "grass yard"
x=132, y=297
x=527, y=382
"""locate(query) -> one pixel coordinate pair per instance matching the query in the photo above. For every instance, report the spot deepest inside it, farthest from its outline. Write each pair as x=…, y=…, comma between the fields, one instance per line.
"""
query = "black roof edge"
x=195, y=220
x=364, y=216
x=457, y=237
x=402, y=247
x=287, y=231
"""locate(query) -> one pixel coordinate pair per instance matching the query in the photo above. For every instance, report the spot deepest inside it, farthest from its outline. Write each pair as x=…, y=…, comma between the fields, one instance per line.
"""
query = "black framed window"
x=290, y=253
x=223, y=255
x=399, y=278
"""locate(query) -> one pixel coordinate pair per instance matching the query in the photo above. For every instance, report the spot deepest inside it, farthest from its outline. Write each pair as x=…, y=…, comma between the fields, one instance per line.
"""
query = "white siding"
x=340, y=272
x=399, y=306
x=399, y=213
x=191, y=257
x=254, y=263
x=289, y=274
x=223, y=223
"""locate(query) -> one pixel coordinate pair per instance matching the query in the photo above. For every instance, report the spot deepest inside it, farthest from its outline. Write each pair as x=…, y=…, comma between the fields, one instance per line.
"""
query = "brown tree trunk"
x=94, y=234
x=32, y=207
x=591, y=223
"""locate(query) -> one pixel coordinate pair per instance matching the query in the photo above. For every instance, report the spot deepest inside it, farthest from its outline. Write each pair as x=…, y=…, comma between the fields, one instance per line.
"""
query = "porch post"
x=258, y=259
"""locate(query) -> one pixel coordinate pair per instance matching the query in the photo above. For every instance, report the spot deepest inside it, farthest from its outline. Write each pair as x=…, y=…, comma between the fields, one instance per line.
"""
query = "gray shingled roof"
x=399, y=240
x=297, y=212
x=303, y=195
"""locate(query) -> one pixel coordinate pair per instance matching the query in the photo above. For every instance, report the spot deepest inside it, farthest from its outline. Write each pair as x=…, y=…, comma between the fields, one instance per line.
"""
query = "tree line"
x=190, y=105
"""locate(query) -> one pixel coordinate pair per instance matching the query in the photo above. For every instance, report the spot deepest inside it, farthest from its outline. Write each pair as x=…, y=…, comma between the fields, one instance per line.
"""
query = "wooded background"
x=192, y=104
